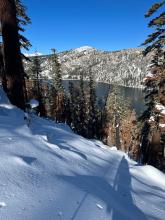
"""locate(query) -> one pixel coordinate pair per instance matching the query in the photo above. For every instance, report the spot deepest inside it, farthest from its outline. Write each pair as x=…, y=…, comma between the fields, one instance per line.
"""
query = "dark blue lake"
x=135, y=95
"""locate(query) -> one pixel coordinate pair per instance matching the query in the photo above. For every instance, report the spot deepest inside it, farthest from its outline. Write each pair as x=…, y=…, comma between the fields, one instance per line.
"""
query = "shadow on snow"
x=118, y=198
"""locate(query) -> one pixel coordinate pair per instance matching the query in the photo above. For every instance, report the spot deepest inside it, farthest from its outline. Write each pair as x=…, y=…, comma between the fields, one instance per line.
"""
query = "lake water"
x=135, y=95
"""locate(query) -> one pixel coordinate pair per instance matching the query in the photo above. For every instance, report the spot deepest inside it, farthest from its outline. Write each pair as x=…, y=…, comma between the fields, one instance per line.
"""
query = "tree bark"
x=117, y=131
x=13, y=66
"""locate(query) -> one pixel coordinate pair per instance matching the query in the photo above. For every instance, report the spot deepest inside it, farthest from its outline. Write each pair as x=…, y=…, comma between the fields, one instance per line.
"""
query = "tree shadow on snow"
x=64, y=146
x=118, y=199
x=27, y=160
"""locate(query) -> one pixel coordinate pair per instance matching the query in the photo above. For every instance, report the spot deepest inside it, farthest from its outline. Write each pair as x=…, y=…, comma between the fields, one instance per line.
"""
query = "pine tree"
x=92, y=109
x=36, y=68
x=71, y=103
x=82, y=108
x=56, y=72
x=59, y=96
x=74, y=107
x=101, y=120
x=22, y=20
x=36, y=76
x=67, y=110
x=14, y=71
x=117, y=109
x=129, y=133
x=154, y=88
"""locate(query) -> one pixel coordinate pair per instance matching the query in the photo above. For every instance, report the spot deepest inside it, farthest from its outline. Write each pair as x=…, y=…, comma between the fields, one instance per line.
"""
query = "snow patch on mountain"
x=84, y=48
x=33, y=54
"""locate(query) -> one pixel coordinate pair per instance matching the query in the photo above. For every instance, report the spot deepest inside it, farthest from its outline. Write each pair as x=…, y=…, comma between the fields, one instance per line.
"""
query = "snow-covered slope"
x=49, y=173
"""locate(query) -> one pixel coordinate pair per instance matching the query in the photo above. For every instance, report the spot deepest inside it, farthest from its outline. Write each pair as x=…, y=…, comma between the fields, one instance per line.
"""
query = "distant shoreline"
x=135, y=87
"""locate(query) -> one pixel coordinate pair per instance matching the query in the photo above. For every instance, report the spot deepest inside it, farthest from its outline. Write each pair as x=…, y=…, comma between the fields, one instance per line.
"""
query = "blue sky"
x=103, y=24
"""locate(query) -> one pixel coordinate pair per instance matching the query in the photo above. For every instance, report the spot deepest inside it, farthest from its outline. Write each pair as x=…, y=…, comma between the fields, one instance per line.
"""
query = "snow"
x=99, y=206
x=49, y=173
x=163, y=112
x=2, y=204
x=33, y=103
x=33, y=54
x=159, y=107
x=152, y=119
x=162, y=125
x=84, y=48
x=149, y=75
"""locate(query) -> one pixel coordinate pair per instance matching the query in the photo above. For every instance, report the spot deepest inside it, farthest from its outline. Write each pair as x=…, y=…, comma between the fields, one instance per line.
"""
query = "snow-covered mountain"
x=125, y=67
x=49, y=173
x=33, y=54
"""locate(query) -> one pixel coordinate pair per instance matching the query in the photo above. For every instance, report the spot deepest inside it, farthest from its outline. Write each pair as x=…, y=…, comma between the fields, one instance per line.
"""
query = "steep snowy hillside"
x=49, y=173
x=124, y=67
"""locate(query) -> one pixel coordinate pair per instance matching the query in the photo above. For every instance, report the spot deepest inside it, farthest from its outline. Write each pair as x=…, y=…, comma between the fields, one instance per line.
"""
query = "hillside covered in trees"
x=125, y=67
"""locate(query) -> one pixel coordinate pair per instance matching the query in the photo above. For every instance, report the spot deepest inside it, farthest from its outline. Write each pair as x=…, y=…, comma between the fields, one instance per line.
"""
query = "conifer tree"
x=36, y=76
x=154, y=88
x=82, y=108
x=101, y=120
x=36, y=68
x=22, y=20
x=67, y=110
x=71, y=102
x=14, y=71
x=134, y=147
x=59, y=96
x=117, y=110
x=74, y=107
x=56, y=72
x=92, y=112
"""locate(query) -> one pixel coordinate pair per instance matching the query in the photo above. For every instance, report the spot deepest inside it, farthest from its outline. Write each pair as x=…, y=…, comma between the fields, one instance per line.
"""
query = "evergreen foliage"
x=155, y=40
x=92, y=108
x=59, y=107
x=154, y=8
x=56, y=72
x=22, y=20
x=82, y=108
x=117, y=109
x=74, y=107
x=67, y=110
x=37, y=90
x=86, y=118
x=154, y=84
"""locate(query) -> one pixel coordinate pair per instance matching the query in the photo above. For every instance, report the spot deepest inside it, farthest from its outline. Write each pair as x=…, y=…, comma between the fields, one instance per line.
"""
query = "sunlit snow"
x=49, y=173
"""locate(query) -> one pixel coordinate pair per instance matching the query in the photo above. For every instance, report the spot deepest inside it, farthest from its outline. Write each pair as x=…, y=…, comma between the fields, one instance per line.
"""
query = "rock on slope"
x=48, y=172
x=124, y=67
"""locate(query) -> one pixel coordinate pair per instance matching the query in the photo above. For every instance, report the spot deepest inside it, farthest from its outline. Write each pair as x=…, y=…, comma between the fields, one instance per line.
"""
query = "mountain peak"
x=84, y=48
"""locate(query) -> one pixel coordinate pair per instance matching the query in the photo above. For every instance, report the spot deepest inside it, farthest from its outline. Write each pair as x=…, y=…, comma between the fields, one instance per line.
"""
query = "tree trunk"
x=117, y=131
x=11, y=51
